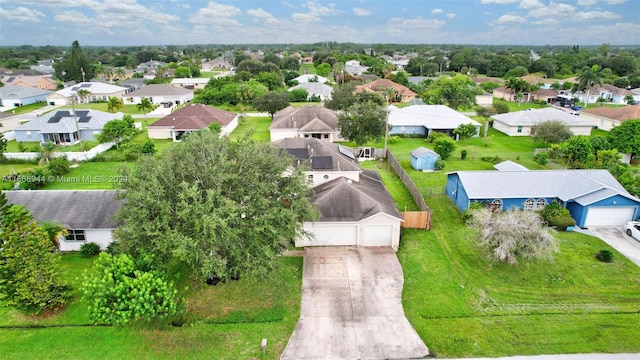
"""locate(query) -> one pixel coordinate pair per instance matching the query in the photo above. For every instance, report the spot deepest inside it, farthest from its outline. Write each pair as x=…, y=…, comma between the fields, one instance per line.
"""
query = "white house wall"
x=230, y=127
x=102, y=237
x=278, y=134
x=511, y=130
x=319, y=176
x=601, y=122
x=159, y=132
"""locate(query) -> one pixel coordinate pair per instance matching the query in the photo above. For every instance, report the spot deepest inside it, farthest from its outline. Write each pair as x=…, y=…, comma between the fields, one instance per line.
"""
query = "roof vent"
x=174, y=119
x=349, y=181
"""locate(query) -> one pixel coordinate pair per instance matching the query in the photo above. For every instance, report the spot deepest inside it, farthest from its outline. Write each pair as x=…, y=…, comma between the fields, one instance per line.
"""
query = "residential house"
x=97, y=92
x=150, y=66
x=606, y=118
x=43, y=82
x=190, y=83
x=309, y=121
x=306, y=60
x=547, y=95
x=14, y=96
x=306, y=78
x=354, y=68
x=87, y=215
x=61, y=126
x=354, y=213
x=315, y=89
x=219, y=63
x=43, y=67
x=520, y=123
x=510, y=95
x=160, y=94
x=593, y=197
x=424, y=159
x=610, y=93
x=322, y=161
x=190, y=118
x=132, y=84
x=380, y=86
x=425, y=119
x=535, y=80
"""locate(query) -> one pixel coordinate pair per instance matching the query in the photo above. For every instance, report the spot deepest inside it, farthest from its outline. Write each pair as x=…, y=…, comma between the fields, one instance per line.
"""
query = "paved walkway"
x=351, y=307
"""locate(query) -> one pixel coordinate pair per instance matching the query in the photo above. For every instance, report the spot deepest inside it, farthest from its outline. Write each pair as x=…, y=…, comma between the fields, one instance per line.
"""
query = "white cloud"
x=530, y=4
x=216, y=14
x=437, y=11
x=72, y=17
x=304, y=18
x=401, y=27
x=504, y=19
x=587, y=2
x=593, y=2
x=451, y=15
x=595, y=15
x=21, y=14
x=319, y=10
x=498, y=1
x=55, y=3
x=262, y=15
x=554, y=10
x=361, y=12
x=615, y=2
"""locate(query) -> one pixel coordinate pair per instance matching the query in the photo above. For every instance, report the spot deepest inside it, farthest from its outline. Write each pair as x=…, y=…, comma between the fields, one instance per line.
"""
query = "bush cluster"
x=89, y=249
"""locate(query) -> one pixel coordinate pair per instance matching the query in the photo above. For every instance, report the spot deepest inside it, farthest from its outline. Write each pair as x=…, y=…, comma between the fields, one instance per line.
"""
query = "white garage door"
x=331, y=235
x=378, y=235
x=602, y=216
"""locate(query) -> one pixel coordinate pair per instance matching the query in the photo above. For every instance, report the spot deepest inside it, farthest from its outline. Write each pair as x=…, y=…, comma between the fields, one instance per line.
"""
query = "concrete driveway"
x=351, y=307
x=616, y=237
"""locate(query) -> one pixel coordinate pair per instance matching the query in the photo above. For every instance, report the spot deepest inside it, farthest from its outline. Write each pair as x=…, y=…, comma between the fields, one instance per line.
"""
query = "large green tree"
x=118, y=131
x=455, y=91
x=626, y=137
x=114, y=104
x=75, y=66
x=551, y=132
x=589, y=78
x=465, y=131
x=29, y=270
x=145, y=106
x=363, y=122
x=220, y=206
x=272, y=102
x=342, y=97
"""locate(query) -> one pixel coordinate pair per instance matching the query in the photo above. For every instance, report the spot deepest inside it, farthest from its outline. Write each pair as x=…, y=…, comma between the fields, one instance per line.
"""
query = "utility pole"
x=386, y=129
x=75, y=119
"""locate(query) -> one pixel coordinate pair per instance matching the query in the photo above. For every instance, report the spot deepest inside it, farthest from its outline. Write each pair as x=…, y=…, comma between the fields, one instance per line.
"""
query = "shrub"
x=435, y=136
x=148, y=147
x=492, y=159
x=89, y=249
x=114, y=248
x=561, y=223
x=541, y=158
x=554, y=209
x=444, y=146
x=463, y=154
x=440, y=164
x=58, y=166
x=605, y=256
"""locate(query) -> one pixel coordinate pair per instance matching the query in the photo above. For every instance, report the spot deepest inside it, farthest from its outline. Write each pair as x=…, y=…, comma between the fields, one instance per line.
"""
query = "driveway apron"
x=351, y=307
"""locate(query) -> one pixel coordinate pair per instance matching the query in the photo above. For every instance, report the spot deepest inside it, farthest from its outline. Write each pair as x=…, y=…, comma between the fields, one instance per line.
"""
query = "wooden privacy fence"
x=415, y=193
x=416, y=219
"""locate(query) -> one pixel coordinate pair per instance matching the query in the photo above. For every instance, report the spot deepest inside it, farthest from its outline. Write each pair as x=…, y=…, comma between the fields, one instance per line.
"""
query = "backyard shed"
x=424, y=159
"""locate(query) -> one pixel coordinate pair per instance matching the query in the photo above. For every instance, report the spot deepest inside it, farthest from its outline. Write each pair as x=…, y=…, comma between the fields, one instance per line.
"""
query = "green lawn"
x=27, y=108
x=209, y=74
x=102, y=106
x=463, y=305
x=88, y=176
x=226, y=321
x=258, y=126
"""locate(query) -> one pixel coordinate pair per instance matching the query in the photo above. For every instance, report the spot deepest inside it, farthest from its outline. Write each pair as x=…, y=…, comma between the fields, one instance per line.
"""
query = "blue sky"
x=179, y=22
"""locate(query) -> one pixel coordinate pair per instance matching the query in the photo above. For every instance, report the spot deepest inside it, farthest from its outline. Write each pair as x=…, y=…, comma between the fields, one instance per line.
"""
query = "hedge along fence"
x=71, y=156
x=412, y=218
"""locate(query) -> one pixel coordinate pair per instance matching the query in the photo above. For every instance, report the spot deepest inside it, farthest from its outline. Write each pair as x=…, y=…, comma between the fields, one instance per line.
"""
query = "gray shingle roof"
x=422, y=150
x=159, y=90
x=74, y=209
x=345, y=200
x=195, y=117
x=536, y=116
x=582, y=186
x=307, y=148
x=509, y=165
x=429, y=116
x=297, y=117
x=62, y=121
x=21, y=92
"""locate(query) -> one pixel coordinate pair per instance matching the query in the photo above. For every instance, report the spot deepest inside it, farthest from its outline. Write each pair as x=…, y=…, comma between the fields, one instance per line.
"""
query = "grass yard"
x=463, y=305
x=209, y=74
x=258, y=126
x=89, y=176
x=130, y=109
x=27, y=108
x=219, y=326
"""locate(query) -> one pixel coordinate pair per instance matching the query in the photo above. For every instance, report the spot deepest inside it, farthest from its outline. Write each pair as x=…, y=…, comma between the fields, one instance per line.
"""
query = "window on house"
x=541, y=203
x=325, y=136
x=316, y=136
x=530, y=204
x=306, y=135
x=310, y=178
x=519, y=129
x=496, y=204
x=75, y=235
x=28, y=134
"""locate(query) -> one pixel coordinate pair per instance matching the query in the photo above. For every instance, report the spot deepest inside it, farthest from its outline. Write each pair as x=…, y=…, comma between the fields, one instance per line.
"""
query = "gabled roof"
x=31, y=80
x=74, y=209
x=297, y=117
x=21, y=92
x=306, y=149
x=509, y=165
x=160, y=90
x=622, y=113
x=380, y=85
x=535, y=116
x=430, y=116
x=315, y=88
x=190, y=81
x=345, y=200
x=63, y=121
x=306, y=78
x=422, y=151
x=582, y=186
x=94, y=87
x=195, y=117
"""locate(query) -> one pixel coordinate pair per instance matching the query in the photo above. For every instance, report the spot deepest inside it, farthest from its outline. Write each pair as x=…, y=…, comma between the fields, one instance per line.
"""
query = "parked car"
x=632, y=229
x=576, y=108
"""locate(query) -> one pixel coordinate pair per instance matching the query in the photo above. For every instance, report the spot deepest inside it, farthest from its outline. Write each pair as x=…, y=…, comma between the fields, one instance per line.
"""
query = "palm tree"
x=114, y=104
x=46, y=151
x=486, y=114
x=120, y=73
x=589, y=78
x=84, y=95
x=629, y=99
x=54, y=231
x=601, y=100
x=145, y=105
